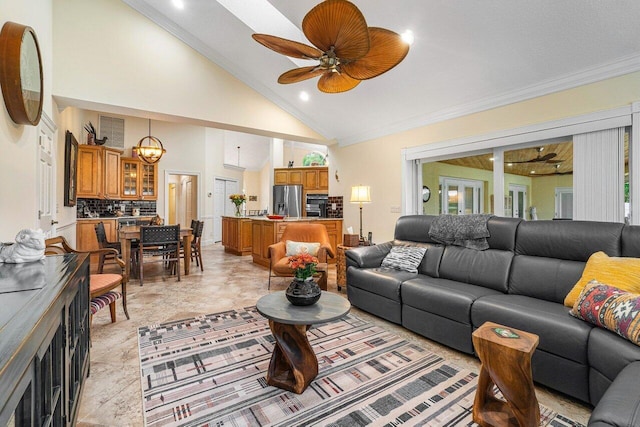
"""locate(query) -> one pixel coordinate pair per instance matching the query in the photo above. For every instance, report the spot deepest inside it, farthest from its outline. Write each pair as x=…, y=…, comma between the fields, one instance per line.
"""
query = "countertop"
x=117, y=217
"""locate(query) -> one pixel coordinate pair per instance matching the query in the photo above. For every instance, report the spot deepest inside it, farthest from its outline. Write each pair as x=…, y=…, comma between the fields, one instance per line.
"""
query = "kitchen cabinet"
x=44, y=346
x=237, y=235
x=139, y=180
x=86, y=239
x=98, y=172
x=311, y=178
x=266, y=232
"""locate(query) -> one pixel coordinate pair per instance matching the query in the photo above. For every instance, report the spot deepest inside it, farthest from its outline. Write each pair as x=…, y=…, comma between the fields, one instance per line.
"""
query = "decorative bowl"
x=275, y=216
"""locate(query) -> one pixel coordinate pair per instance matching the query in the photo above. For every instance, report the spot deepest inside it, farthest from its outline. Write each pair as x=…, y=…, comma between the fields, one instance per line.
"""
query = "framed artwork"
x=70, y=169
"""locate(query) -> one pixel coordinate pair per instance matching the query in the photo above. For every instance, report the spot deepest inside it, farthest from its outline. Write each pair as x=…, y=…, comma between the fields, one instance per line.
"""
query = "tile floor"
x=112, y=394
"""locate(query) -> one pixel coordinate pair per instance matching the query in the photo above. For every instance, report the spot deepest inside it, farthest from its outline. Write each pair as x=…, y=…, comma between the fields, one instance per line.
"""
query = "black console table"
x=44, y=340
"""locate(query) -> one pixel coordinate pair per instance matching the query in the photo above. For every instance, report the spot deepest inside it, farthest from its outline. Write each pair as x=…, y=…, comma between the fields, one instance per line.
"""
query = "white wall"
x=18, y=143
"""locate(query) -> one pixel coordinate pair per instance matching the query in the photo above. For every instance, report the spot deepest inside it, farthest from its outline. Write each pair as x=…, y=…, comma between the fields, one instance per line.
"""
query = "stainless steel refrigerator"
x=287, y=200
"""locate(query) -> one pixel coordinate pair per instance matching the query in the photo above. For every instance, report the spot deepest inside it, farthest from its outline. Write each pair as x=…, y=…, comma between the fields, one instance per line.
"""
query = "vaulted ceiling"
x=468, y=55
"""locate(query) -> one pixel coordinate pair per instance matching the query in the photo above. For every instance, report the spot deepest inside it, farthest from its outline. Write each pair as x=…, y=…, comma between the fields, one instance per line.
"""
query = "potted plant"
x=303, y=290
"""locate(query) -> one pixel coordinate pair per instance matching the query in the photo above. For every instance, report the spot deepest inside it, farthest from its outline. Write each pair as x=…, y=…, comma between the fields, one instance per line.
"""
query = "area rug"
x=210, y=371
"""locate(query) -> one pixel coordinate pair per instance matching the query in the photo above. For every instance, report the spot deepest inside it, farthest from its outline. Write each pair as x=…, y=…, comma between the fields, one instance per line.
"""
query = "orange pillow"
x=619, y=272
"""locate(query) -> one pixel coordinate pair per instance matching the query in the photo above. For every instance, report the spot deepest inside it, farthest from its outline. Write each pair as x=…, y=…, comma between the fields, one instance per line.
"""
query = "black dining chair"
x=196, y=252
x=104, y=243
x=161, y=241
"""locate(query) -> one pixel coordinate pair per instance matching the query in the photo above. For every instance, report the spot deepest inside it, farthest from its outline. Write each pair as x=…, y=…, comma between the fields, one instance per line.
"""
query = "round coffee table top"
x=277, y=307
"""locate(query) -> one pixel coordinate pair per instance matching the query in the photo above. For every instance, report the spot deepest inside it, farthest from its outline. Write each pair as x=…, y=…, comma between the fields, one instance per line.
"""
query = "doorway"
x=516, y=205
x=181, y=198
x=461, y=196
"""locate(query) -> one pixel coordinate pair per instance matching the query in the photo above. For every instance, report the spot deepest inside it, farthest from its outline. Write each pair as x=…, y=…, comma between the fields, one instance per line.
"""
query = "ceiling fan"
x=557, y=172
x=347, y=49
x=541, y=159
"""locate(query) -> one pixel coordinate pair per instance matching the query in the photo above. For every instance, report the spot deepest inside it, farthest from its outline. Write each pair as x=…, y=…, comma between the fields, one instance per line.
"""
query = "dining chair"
x=196, y=253
x=161, y=241
x=296, y=234
x=102, y=286
x=104, y=243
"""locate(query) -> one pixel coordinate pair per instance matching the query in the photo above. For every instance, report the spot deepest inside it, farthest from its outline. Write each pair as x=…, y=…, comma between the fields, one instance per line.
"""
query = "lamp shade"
x=360, y=194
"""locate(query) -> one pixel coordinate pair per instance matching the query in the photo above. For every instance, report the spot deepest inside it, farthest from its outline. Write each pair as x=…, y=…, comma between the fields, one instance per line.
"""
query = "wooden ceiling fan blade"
x=336, y=82
x=547, y=156
x=338, y=24
x=387, y=50
x=300, y=74
x=287, y=47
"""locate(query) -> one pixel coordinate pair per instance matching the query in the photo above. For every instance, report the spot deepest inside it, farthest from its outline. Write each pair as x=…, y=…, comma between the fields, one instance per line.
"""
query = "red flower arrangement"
x=304, y=265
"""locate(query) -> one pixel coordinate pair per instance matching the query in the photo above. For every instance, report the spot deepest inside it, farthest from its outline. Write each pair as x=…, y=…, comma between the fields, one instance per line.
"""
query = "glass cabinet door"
x=148, y=183
x=130, y=178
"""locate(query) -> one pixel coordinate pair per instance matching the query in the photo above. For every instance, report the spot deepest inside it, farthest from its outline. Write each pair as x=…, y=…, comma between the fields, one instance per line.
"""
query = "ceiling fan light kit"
x=347, y=50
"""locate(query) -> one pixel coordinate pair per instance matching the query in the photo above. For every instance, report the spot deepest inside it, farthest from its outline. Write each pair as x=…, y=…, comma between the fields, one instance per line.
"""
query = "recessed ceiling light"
x=532, y=172
x=304, y=96
x=491, y=159
x=509, y=164
x=407, y=37
x=179, y=4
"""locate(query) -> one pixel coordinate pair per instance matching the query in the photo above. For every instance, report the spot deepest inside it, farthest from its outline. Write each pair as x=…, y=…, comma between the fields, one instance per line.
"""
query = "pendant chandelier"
x=150, y=148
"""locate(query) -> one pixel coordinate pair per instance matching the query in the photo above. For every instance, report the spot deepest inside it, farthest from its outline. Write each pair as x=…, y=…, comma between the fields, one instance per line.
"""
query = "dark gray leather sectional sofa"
x=521, y=282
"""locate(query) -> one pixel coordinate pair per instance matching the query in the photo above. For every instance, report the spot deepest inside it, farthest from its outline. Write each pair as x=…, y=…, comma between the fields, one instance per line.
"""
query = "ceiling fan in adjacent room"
x=347, y=49
x=540, y=159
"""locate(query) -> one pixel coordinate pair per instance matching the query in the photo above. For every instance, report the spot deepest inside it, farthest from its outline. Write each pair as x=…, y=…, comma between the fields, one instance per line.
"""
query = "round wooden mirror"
x=21, y=73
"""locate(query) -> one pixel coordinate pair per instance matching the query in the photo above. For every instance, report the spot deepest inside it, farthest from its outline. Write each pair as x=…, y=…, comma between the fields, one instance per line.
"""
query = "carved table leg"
x=293, y=363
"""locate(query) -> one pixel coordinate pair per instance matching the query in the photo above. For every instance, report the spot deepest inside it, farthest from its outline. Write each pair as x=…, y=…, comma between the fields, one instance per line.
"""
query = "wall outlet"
x=334, y=206
x=395, y=209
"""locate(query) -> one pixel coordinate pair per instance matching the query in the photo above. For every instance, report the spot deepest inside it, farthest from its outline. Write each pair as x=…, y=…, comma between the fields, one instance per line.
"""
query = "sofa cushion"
x=620, y=405
x=610, y=308
x=571, y=240
x=619, y=272
x=488, y=268
x=609, y=353
x=405, y=258
x=559, y=333
x=446, y=298
x=380, y=281
x=544, y=278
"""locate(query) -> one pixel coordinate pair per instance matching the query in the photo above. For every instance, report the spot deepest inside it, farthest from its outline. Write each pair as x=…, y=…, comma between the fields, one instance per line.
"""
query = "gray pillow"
x=406, y=258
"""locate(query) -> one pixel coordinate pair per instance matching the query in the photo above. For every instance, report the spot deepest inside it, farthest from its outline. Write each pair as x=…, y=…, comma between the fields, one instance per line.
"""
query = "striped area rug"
x=210, y=371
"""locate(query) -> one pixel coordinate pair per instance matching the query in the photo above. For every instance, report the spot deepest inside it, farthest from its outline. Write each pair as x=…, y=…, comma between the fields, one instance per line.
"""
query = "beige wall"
x=543, y=193
x=378, y=163
x=108, y=54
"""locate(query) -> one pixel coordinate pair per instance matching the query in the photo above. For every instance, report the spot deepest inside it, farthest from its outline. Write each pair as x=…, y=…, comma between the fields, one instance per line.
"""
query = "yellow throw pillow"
x=619, y=272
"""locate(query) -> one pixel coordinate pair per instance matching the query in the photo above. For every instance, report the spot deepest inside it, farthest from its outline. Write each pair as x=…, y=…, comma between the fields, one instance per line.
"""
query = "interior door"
x=46, y=181
x=461, y=197
x=518, y=195
x=564, y=203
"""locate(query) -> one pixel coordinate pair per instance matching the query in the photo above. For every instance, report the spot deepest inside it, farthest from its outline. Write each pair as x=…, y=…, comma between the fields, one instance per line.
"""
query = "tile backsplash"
x=147, y=208
x=337, y=212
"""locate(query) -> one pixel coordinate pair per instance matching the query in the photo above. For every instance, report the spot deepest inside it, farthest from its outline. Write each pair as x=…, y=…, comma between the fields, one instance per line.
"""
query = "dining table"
x=127, y=233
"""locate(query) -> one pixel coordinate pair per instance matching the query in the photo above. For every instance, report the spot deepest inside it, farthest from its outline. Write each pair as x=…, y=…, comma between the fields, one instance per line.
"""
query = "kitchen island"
x=265, y=232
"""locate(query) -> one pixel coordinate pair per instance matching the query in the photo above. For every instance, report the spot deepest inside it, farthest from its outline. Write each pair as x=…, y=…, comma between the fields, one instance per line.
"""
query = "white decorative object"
x=29, y=247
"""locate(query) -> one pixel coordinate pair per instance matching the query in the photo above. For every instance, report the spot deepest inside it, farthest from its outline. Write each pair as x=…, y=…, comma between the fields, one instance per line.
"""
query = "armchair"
x=308, y=233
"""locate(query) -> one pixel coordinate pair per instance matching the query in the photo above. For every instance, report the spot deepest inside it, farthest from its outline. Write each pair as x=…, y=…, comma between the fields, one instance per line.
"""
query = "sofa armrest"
x=620, y=405
x=367, y=256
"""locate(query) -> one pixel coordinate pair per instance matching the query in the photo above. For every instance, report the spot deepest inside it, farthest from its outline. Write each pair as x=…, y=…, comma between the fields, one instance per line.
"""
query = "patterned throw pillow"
x=295, y=248
x=406, y=258
x=610, y=308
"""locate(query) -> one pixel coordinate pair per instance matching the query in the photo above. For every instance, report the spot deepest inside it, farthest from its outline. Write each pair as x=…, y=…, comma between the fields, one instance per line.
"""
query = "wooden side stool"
x=505, y=354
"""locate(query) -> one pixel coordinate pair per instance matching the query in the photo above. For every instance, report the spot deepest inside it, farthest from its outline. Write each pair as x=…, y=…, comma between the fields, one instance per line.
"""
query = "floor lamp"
x=361, y=194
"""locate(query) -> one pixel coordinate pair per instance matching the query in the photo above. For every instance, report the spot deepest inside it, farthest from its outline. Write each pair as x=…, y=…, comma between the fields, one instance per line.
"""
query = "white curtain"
x=598, y=175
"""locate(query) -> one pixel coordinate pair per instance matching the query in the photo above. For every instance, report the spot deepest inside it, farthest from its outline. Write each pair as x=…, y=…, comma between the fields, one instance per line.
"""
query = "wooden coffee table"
x=293, y=363
x=506, y=363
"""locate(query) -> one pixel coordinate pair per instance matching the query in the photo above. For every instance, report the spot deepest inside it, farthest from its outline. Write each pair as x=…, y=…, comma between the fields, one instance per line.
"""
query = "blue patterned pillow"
x=406, y=258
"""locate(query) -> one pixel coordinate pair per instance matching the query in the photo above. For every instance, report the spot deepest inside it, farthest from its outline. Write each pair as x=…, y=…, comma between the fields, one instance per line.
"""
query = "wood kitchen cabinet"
x=98, y=172
x=311, y=178
x=139, y=180
x=237, y=235
x=266, y=232
x=44, y=341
